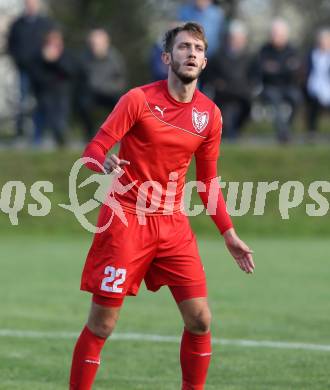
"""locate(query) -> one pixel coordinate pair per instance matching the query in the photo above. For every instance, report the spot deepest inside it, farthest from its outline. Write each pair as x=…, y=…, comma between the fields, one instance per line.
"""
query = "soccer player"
x=161, y=126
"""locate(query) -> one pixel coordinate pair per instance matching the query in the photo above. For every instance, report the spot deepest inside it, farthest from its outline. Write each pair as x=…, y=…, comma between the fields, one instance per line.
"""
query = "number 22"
x=114, y=273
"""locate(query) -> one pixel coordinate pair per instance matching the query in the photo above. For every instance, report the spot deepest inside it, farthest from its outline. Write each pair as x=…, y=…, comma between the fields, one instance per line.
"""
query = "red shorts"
x=162, y=252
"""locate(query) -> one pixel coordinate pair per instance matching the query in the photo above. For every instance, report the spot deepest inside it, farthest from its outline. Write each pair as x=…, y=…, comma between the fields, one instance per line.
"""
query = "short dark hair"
x=193, y=28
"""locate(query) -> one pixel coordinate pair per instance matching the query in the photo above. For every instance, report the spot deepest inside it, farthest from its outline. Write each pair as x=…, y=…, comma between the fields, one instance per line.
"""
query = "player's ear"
x=166, y=57
x=205, y=63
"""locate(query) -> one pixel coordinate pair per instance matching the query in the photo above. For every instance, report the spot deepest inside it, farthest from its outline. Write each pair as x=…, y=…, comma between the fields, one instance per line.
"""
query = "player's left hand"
x=239, y=250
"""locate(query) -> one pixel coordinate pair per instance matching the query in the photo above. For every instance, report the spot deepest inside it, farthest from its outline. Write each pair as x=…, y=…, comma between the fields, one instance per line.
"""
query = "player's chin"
x=189, y=76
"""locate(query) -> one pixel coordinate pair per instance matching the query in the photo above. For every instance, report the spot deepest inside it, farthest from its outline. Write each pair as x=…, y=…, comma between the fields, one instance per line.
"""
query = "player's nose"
x=192, y=53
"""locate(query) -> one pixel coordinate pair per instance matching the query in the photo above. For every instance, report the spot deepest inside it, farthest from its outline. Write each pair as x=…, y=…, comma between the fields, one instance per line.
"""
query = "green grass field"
x=236, y=163
x=287, y=299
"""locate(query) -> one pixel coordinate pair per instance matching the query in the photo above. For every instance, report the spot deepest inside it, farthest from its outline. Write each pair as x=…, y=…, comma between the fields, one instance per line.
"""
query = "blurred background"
x=63, y=67
x=268, y=65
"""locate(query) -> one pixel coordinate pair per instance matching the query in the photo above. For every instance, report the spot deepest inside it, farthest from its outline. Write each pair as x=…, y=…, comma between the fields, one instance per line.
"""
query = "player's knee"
x=102, y=322
x=101, y=327
x=200, y=322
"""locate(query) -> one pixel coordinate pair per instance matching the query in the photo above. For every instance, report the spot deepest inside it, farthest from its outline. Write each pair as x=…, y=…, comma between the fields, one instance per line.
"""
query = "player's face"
x=187, y=59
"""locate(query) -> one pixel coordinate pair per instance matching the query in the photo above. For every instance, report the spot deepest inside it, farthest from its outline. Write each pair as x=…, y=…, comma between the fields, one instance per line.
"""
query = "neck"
x=179, y=91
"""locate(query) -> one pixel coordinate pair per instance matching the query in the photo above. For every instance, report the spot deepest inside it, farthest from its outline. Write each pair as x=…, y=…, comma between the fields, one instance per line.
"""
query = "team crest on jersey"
x=199, y=120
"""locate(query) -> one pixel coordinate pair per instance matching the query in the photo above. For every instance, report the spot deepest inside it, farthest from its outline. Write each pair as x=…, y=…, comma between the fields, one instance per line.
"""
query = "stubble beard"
x=184, y=77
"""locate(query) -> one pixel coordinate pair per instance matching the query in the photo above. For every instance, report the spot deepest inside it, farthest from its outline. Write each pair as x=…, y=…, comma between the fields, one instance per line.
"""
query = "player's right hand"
x=114, y=164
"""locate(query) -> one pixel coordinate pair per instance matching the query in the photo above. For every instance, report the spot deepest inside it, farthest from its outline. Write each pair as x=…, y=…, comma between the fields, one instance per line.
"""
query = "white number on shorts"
x=114, y=273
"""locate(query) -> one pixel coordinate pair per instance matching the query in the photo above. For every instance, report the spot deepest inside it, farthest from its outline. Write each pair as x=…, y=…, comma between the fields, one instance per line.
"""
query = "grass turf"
x=286, y=299
x=237, y=163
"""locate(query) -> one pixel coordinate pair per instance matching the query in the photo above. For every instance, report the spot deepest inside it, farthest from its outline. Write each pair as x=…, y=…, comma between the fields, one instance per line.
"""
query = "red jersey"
x=159, y=136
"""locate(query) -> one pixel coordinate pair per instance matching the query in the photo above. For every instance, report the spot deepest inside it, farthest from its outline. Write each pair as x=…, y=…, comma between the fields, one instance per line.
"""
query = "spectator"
x=277, y=67
x=210, y=16
x=228, y=73
x=102, y=78
x=158, y=69
x=24, y=41
x=318, y=80
x=52, y=74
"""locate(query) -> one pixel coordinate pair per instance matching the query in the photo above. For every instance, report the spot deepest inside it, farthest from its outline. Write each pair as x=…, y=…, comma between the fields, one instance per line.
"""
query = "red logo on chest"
x=199, y=120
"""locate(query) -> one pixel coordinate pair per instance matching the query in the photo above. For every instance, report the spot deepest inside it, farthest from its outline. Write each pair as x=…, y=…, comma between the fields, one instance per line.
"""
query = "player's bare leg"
x=195, y=353
x=196, y=315
x=102, y=320
x=86, y=356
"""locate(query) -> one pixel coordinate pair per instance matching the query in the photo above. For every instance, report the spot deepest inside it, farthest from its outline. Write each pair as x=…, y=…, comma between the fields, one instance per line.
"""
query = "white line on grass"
x=167, y=339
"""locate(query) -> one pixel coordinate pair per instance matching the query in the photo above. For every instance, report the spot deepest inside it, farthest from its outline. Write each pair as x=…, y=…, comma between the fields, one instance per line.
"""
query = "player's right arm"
x=125, y=114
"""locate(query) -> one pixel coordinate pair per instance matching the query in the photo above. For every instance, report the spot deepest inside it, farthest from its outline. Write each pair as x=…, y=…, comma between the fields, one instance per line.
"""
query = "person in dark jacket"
x=52, y=74
x=277, y=67
x=101, y=80
x=317, y=83
x=159, y=70
x=25, y=39
x=228, y=74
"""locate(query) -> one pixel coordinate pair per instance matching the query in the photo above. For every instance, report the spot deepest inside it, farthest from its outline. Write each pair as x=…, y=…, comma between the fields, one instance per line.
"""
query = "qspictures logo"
x=242, y=197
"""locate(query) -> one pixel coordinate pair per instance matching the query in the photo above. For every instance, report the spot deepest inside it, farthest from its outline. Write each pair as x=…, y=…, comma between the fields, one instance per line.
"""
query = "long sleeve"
x=206, y=170
x=126, y=112
x=98, y=149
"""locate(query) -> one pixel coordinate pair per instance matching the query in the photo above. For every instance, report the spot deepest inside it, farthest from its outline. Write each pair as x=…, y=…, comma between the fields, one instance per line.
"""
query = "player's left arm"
x=206, y=171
